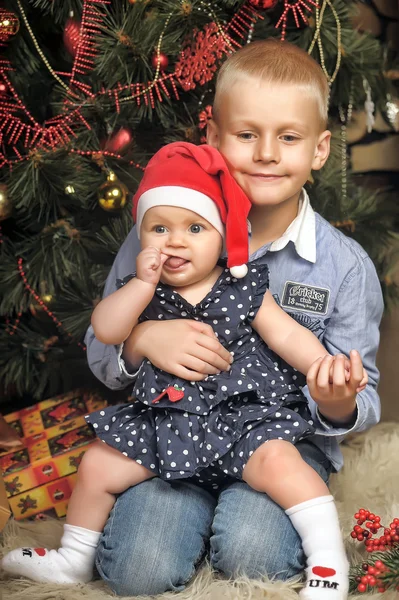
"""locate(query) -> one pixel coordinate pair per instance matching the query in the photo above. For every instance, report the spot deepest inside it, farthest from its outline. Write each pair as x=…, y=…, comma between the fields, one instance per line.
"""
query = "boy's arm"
x=194, y=354
x=105, y=359
x=295, y=344
x=354, y=323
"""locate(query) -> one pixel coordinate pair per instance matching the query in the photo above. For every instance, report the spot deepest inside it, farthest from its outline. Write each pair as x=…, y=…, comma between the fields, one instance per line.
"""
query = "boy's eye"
x=246, y=135
x=159, y=229
x=289, y=138
x=195, y=228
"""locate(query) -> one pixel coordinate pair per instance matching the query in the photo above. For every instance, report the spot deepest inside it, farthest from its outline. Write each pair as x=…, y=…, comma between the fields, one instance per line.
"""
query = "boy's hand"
x=149, y=265
x=333, y=383
x=184, y=348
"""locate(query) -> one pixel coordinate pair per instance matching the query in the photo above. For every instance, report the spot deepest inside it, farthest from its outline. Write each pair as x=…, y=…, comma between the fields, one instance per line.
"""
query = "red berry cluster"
x=372, y=522
x=372, y=577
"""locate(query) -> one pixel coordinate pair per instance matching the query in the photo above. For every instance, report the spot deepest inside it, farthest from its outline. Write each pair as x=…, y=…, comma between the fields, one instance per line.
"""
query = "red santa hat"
x=198, y=179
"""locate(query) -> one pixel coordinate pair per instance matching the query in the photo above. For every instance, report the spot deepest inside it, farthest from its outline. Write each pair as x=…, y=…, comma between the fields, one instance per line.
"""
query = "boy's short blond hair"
x=273, y=61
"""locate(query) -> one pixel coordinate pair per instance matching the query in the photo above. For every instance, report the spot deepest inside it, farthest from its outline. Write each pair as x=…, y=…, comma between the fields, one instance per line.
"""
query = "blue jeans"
x=158, y=532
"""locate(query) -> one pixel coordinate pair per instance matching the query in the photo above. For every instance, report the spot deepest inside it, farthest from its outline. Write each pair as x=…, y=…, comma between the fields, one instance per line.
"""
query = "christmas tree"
x=89, y=90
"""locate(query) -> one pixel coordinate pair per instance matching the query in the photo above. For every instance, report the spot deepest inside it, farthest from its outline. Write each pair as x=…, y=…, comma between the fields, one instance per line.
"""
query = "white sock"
x=327, y=572
x=73, y=562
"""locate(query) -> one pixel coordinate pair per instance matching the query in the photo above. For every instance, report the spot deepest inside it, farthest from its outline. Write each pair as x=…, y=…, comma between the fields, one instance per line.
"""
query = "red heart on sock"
x=323, y=571
x=40, y=551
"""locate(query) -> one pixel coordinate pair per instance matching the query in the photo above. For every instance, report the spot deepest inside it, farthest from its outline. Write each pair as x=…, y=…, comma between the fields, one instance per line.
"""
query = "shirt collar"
x=302, y=231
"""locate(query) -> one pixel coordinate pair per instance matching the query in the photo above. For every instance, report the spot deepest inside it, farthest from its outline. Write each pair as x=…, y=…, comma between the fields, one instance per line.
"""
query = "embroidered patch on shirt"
x=299, y=296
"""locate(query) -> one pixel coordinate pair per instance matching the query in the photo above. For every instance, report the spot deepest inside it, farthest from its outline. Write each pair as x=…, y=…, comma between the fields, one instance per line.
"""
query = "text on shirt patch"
x=300, y=296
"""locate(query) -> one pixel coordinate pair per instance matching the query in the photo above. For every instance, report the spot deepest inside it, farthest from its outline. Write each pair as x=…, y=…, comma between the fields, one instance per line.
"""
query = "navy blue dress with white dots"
x=209, y=429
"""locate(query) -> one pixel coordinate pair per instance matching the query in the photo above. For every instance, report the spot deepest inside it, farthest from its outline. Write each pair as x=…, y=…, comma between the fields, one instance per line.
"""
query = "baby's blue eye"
x=195, y=228
x=159, y=229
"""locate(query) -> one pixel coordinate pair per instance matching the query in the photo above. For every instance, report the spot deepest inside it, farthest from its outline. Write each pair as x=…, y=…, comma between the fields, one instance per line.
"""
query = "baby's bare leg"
x=277, y=469
x=103, y=473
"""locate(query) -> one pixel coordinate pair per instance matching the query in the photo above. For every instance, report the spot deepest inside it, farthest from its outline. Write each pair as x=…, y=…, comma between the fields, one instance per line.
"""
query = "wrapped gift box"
x=4, y=506
x=39, y=477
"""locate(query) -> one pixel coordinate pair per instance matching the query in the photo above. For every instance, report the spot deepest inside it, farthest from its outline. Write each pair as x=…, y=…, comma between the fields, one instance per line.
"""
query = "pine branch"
x=389, y=578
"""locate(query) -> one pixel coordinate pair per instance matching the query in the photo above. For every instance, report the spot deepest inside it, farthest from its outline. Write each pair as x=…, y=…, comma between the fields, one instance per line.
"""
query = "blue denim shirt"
x=323, y=279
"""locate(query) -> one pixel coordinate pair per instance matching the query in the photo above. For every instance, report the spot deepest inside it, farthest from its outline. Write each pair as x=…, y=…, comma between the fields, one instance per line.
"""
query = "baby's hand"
x=348, y=373
x=336, y=379
x=149, y=265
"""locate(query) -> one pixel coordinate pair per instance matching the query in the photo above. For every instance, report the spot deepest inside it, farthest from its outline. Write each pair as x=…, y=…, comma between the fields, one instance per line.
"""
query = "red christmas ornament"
x=71, y=35
x=162, y=60
x=119, y=141
x=3, y=88
x=263, y=4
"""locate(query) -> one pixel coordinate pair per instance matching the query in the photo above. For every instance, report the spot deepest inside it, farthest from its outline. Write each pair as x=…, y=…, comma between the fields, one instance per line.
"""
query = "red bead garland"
x=86, y=49
x=93, y=153
x=42, y=304
x=296, y=7
x=59, y=130
x=11, y=329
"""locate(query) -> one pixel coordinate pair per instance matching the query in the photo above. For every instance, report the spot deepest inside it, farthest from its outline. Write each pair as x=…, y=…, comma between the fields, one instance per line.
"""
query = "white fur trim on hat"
x=171, y=195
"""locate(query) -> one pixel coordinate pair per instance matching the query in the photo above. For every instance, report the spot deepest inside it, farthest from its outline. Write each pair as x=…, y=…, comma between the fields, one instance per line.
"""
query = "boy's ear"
x=212, y=135
x=322, y=150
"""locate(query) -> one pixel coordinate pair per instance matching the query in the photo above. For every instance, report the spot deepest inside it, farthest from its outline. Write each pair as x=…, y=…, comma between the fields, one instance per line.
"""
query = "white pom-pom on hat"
x=239, y=271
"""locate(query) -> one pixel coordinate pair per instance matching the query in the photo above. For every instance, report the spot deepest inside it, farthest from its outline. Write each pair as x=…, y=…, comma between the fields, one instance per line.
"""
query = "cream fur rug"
x=369, y=479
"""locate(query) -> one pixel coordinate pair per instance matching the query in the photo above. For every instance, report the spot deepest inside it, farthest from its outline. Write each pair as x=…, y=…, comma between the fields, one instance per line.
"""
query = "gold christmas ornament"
x=38, y=307
x=186, y=8
x=47, y=298
x=69, y=189
x=112, y=195
x=5, y=203
x=9, y=24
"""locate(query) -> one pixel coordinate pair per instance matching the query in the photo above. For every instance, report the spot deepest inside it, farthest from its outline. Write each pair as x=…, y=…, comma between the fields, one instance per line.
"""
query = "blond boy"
x=269, y=123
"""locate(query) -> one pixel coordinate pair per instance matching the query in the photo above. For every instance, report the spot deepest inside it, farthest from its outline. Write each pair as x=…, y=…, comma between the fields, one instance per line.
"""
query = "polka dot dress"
x=209, y=429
